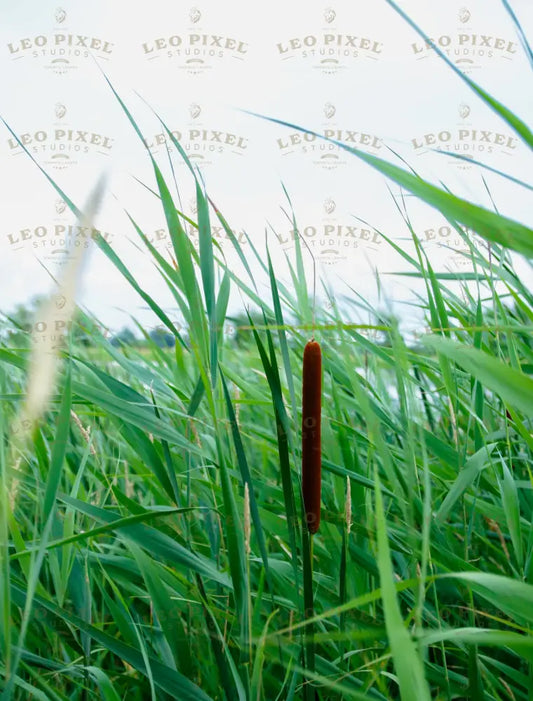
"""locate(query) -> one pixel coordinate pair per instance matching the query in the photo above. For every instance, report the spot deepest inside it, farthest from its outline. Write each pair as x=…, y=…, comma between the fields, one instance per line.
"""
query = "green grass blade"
x=407, y=661
x=512, y=120
x=151, y=540
x=513, y=386
x=246, y=475
x=493, y=227
x=468, y=474
x=167, y=679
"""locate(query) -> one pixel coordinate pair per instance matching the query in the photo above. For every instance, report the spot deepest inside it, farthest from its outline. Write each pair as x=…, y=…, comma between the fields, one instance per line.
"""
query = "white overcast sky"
x=292, y=61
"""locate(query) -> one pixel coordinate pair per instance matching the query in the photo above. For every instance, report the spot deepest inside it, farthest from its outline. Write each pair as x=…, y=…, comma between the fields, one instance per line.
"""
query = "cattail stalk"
x=311, y=448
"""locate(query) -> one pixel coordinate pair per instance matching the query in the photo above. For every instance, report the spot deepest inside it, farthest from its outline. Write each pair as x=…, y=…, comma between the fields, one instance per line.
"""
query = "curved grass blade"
x=520, y=32
x=486, y=223
x=473, y=466
x=282, y=431
x=485, y=166
x=140, y=416
x=152, y=540
x=246, y=475
x=169, y=680
x=513, y=386
x=512, y=120
x=511, y=596
x=108, y=528
x=407, y=661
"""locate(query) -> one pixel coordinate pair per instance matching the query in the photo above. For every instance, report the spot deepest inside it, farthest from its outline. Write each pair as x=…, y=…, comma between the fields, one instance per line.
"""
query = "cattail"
x=311, y=451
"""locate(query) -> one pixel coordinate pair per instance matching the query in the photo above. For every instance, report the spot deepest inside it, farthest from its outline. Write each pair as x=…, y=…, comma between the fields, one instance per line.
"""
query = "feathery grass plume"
x=311, y=449
x=53, y=316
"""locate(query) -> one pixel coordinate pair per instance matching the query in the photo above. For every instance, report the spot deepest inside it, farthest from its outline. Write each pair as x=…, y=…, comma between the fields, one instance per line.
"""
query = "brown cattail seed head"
x=311, y=448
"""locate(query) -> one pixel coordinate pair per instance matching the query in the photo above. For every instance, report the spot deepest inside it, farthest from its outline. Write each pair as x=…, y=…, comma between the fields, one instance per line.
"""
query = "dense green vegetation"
x=151, y=541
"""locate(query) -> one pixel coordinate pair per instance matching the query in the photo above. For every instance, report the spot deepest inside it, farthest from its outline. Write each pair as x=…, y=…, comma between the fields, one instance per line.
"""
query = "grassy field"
x=152, y=543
